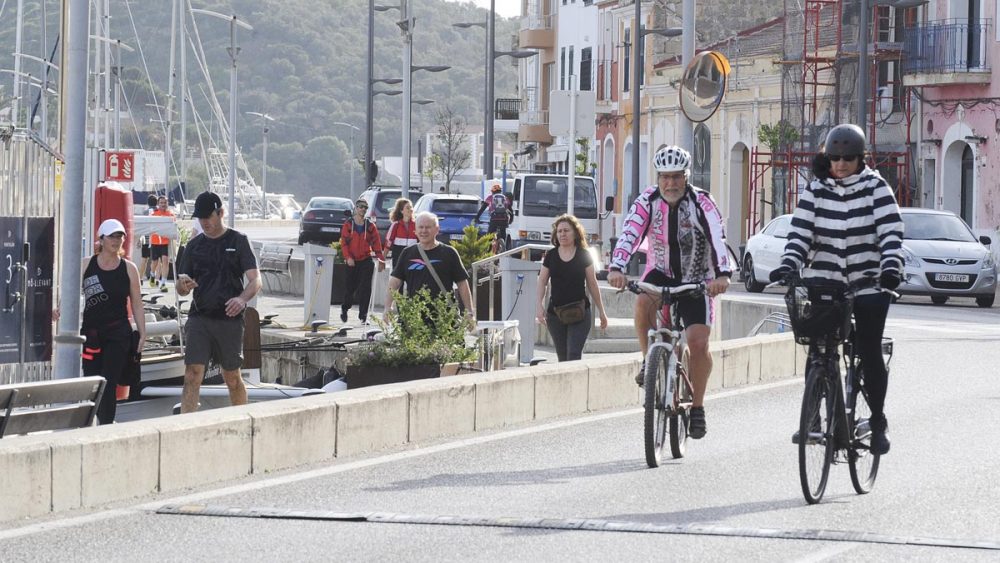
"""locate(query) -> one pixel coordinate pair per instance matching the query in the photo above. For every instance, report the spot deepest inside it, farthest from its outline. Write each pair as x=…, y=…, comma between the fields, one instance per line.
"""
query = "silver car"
x=943, y=258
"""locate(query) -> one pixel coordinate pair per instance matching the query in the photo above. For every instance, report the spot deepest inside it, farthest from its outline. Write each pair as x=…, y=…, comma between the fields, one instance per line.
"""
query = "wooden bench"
x=275, y=259
x=49, y=405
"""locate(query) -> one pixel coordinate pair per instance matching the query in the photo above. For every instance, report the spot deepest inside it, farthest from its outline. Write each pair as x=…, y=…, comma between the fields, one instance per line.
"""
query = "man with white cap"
x=213, y=267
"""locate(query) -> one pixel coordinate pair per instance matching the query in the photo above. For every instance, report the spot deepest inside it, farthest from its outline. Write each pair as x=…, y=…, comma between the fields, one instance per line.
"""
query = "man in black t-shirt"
x=411, y=269
x=213, y=266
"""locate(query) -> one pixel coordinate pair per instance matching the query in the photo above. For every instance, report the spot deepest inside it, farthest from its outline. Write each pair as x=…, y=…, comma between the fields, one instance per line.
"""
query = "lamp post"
x=234, y=52
x=637, y=47
x=351, y=160
x=369, y=85
x=863, y=23
x=264, y=118
x=486, y=65
x=407, y=101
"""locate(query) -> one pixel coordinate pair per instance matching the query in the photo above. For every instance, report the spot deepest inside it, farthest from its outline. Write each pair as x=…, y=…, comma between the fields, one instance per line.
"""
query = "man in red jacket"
x=359, y=240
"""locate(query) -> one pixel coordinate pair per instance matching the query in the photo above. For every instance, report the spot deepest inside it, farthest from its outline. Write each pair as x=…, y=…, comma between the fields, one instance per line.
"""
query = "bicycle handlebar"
x=852, y=287
x=638, y=287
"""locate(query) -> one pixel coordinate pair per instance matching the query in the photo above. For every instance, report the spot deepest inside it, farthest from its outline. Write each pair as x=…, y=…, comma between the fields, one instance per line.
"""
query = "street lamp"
x=637, y=47
x=234, y=52
x=351, y=160
x=863, y=52
x=491, y=56
x=369, y=86
x=264, y=118
x=407, y=97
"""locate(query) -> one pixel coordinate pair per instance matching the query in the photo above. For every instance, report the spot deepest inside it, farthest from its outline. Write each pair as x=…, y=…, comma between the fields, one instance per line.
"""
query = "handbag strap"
x=430, y=267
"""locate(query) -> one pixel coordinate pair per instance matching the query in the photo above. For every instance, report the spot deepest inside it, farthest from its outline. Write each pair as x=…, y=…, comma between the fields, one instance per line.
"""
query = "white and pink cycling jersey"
x=700, y=236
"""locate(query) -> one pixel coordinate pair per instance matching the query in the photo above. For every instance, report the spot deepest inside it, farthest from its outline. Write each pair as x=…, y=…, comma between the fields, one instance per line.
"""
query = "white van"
x=540, y=198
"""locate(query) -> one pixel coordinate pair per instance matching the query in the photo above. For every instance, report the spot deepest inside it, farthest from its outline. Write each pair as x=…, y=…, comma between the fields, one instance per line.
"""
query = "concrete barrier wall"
x=95, y=466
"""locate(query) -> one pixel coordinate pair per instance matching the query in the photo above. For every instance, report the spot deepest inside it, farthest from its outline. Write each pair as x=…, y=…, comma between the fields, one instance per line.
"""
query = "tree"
x=450, y=144
x=431, y=168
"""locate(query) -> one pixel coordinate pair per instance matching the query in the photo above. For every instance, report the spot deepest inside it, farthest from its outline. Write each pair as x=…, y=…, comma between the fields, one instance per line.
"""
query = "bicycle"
x=667, y=385
x=835, y=414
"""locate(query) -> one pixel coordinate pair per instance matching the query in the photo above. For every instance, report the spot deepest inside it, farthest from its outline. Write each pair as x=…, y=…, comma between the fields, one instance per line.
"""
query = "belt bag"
x=571, y=313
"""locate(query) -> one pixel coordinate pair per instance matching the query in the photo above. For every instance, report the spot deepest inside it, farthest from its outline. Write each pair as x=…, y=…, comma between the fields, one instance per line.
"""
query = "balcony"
x=537, y=32
x=506, y=113
x=947, y=52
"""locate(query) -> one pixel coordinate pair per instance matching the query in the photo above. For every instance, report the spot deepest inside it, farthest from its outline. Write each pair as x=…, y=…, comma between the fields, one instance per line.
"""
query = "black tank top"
x=105, y=294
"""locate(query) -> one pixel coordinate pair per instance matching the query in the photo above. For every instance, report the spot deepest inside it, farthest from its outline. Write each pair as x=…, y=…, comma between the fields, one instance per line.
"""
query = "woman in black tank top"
x=109, y=283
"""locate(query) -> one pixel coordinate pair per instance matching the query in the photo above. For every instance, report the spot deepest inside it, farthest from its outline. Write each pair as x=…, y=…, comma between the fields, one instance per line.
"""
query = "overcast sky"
x=505, y=8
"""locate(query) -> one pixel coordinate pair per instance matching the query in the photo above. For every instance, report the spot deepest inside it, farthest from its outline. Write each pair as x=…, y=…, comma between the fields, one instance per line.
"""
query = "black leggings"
x=869, y=319
x=114, y=344
x=358, y=286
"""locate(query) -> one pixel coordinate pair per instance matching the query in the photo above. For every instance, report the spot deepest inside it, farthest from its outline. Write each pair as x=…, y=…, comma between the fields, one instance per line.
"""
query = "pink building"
x=948, y=57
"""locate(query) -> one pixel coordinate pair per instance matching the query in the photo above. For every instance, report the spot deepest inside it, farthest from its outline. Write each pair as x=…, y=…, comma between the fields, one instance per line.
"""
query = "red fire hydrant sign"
x=119, y=166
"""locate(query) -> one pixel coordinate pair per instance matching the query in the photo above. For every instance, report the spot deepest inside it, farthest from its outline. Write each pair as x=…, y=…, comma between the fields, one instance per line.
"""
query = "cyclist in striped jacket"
x=682, y=227
x=847, y=226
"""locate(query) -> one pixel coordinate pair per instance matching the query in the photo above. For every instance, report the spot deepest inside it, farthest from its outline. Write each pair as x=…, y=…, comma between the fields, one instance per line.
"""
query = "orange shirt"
x=157, y=239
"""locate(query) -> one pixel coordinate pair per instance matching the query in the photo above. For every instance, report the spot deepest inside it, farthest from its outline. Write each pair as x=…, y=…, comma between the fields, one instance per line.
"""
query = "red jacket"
x=357, y=247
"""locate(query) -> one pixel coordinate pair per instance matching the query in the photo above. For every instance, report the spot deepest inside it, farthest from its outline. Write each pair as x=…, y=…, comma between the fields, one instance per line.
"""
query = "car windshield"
x=546, y=197
x=331, y=204
x=930, y=226
x=384, y=202
x=455, y=206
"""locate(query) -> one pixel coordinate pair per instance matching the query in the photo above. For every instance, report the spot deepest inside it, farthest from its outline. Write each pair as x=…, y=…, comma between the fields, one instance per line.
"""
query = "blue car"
x=454, y=212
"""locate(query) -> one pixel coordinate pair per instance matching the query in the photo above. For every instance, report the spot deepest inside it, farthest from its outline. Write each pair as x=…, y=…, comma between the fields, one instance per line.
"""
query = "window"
x=586, y=65
x=627, y=58
x=571, y=68
x=562, y=67
x=701, y=168
x=642, y=56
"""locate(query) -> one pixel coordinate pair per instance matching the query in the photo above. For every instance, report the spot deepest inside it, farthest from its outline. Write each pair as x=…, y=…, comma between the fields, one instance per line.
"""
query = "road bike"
x=666, y=381
x=834, y=421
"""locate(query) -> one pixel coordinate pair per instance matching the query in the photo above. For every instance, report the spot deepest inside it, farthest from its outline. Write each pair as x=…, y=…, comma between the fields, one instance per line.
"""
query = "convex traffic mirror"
x=704, y=85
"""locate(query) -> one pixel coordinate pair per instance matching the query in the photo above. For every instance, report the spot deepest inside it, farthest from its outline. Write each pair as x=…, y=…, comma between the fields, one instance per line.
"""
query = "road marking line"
x=41, y=527
x=575, y=524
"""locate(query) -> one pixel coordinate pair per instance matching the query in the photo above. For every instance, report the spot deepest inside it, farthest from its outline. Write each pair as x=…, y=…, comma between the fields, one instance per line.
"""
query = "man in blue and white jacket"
x=846, y=227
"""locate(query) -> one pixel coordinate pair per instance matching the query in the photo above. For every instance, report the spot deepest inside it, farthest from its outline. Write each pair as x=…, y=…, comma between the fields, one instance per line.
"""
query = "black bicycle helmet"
x=845, y=140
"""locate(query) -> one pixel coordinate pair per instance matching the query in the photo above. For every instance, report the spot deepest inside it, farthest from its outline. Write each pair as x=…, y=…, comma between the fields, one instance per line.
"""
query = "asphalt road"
x=938, y=485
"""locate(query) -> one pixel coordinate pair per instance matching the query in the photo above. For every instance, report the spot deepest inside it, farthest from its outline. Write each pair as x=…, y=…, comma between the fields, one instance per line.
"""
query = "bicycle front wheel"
x=679, y=418
x=863, y=463
x=816, y=430
x=656, y=404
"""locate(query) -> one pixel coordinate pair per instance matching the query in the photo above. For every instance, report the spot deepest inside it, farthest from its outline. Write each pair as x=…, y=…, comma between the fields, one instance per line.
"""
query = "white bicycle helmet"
x=672, y=159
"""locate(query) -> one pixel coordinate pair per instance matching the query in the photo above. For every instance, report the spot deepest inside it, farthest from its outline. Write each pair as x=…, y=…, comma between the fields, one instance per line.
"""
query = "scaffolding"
x=819, y=68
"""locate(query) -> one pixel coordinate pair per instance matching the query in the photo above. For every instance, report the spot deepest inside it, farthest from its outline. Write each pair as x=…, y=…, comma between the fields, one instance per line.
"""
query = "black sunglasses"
x=838, y=158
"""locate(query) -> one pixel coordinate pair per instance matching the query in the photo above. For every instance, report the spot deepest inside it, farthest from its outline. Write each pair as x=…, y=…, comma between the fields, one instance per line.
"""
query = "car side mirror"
x=348, y=213
x=609, y=203
x=985, y=240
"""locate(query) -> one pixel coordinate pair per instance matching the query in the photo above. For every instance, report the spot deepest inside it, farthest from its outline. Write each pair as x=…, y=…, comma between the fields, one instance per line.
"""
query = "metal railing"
x=947, y=46
x=507, y=108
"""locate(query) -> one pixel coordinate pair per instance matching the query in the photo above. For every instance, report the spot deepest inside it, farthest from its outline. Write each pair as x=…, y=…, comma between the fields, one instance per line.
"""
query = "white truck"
x=540, y=198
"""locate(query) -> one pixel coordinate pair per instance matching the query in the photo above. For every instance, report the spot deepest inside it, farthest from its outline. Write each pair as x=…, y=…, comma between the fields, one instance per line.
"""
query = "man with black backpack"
x=359, y=240
x=501, y=213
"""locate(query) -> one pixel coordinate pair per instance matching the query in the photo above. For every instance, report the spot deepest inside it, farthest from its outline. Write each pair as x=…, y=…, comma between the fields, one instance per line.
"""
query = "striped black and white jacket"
x=844, y=229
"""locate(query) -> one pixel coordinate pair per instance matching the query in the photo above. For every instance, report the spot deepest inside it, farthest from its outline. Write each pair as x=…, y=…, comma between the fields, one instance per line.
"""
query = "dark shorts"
x=208, y=338
x=700, y=311
x=159, y=251
x=145, y=250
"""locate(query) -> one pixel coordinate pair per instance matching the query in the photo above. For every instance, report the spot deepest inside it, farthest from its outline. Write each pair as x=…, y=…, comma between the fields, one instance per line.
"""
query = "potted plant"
x=425, y=334
x=473, y=247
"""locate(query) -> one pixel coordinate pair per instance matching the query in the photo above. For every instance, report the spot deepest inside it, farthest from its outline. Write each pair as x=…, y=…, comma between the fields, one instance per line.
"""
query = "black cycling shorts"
x=699, y=311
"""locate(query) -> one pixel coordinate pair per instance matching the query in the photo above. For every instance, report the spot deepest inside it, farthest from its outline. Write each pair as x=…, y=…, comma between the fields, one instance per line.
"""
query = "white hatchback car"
x=763, y=253
x=943, y=258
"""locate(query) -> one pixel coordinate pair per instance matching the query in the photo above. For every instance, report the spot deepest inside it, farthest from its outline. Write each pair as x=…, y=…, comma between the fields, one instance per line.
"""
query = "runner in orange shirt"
x=159, y=248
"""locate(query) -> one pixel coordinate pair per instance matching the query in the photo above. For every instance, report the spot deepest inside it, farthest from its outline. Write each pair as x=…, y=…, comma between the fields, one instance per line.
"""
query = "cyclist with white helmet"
x=686, y=243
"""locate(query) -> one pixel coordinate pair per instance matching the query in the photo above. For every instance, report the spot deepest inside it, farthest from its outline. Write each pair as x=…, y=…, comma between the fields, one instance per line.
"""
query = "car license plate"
x=960, y=278
x=457, y=237
x=328, y=229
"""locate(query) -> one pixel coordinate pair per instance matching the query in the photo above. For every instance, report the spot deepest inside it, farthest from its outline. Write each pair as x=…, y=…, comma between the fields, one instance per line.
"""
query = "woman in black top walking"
x=109, y=282
x=571, y=270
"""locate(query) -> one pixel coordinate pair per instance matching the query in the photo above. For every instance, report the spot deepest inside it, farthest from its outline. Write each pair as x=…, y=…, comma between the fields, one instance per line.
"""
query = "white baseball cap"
x=110, y=227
